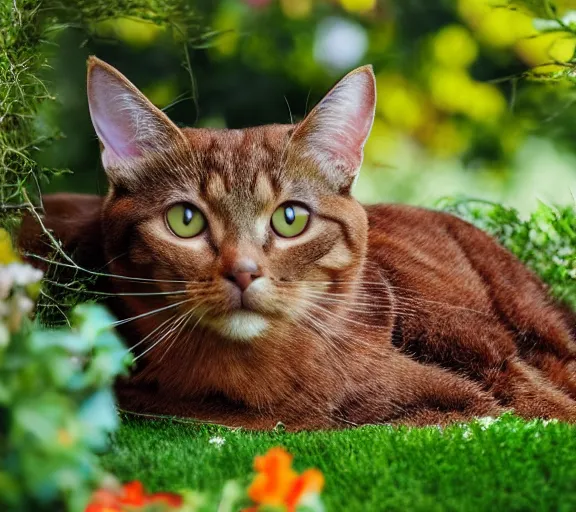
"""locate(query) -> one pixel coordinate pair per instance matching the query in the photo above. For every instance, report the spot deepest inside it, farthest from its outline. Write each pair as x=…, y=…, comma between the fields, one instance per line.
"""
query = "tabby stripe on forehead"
x=275, y=169
x=275, y=182
x=215, y=189
x=256, y=177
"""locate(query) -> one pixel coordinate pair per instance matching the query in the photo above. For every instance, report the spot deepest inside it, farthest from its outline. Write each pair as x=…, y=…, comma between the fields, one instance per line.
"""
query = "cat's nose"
x=244, y=273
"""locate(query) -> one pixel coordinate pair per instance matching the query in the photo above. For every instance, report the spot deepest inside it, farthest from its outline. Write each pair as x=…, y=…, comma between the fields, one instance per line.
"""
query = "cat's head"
x=251, y=227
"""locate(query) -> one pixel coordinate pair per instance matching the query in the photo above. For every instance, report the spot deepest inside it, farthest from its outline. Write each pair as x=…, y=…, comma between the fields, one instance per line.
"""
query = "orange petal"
x=274, y=478
x=267, y=490
x=133, y=494
x=277, y=456
x=103, y=500
x=311, y=481
x=96, y=507
x=314, y=480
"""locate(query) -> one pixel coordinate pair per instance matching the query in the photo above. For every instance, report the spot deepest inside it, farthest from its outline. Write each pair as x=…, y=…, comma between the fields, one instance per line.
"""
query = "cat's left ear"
x=335, y=132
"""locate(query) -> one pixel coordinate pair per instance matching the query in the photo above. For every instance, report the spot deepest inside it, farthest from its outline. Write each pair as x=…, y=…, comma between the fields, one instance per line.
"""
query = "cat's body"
x=366, y=315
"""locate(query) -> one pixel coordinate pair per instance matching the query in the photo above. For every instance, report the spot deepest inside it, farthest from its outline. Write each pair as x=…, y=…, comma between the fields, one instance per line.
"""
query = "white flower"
x=6, y=282
x=4, y=335
x=14, y=302
x=23, y=304
x=17, y=274
x=553, y=421
x=218, y=441
x=24, y=274
x=486, y=422
x=340, y=43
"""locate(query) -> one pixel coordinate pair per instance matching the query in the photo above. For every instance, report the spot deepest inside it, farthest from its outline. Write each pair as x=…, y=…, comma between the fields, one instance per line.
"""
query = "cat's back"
x=437, y=255
x=446, y=261
x=415, y=226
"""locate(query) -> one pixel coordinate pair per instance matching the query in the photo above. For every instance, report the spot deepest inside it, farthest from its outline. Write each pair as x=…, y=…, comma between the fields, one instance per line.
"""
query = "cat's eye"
x=290, y=220
x=185, y=220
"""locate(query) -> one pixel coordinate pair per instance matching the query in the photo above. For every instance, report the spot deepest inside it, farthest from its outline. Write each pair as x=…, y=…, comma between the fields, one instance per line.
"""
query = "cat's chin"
x=240, y=325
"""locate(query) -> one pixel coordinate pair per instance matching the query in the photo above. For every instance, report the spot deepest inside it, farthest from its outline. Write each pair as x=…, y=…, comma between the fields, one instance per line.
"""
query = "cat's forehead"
x=230, y=170
x=251, y=166
x=239, y=156
x=238, y=167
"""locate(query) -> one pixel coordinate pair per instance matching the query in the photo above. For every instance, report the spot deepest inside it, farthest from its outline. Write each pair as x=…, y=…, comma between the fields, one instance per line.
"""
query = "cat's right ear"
x=128, y=125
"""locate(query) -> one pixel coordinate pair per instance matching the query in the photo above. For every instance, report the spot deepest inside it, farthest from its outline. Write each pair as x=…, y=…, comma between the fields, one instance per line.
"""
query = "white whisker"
x=148, y=313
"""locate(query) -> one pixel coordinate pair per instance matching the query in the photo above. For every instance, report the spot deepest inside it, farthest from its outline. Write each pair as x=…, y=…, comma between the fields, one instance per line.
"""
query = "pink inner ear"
x=126, y=125
x=338, y=127
x=115, y=137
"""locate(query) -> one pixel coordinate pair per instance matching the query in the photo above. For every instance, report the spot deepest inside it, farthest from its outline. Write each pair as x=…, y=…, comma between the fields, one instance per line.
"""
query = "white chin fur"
x=241, y=325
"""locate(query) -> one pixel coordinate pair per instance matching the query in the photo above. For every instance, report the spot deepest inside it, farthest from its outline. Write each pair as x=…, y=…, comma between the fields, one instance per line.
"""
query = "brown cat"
x=257, y=290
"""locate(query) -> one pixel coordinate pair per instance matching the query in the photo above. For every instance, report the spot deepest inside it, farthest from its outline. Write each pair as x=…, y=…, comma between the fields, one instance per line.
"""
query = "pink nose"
x=243, y=279
x=244, y=274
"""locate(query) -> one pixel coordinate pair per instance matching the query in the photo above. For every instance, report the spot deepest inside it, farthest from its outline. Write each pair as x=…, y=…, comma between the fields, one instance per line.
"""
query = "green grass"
x=507, y=465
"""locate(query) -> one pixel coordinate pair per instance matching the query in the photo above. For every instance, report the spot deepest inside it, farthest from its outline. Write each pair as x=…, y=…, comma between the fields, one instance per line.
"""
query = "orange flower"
x=130, y=497
x=104, y=501
x=277, y=484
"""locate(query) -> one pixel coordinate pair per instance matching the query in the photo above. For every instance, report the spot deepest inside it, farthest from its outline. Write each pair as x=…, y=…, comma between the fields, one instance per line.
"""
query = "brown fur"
x=375, y=314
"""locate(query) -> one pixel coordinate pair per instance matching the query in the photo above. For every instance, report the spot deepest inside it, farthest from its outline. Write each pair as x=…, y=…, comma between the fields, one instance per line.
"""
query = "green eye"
x=185, y=220
x=290, y=220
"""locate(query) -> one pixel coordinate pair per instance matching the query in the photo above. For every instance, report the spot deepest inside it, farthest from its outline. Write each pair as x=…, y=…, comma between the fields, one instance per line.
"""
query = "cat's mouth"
x=240, y=324
x=247, y=314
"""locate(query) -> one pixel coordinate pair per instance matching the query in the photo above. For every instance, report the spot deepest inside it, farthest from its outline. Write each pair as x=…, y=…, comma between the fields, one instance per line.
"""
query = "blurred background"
x=475, y=97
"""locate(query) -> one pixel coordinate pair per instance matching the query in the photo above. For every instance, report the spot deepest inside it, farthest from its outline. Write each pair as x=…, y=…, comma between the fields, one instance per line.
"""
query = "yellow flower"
x=136, y=32
x=495, y=23
x=486, y=103
x=296, y=9
x=382, y=142
x=454, y=91
x=502, y=27
x=450, y=89
x=7, y=253
x=474, y=10
x=544, y=51
x=65, y=438
x=454, y=46
x=446, y=139
x=358, y=5
x=399, y=103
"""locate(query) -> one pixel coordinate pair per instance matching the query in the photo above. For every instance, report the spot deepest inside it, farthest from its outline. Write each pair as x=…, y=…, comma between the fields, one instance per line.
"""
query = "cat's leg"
x=529, y=393
x=544, y=333
x=411, y=393
x=147, y=401
x=481, y=348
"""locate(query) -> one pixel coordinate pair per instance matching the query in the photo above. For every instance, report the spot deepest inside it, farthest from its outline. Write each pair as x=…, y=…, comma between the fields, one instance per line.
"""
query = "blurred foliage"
x=56, y=402
x=546, y=241
x=464, y=86
x=26, y=28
